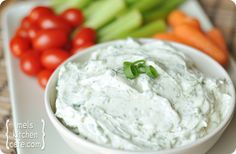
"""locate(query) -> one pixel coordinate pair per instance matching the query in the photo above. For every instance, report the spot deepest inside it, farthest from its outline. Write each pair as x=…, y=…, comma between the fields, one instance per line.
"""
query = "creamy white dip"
x=96, y=101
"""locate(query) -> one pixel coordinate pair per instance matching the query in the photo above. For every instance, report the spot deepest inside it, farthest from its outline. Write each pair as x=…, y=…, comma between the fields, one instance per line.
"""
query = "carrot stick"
x=176, y=17
x=169, y=37
x=197, y=39
x=192, y=22
x=217, y=37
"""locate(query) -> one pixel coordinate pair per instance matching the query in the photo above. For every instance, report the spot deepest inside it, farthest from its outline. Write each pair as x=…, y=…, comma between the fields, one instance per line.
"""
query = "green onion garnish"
x=133, y=69
x=141, y=68
x=130, y=70
x=139, y=62
x=151, y=72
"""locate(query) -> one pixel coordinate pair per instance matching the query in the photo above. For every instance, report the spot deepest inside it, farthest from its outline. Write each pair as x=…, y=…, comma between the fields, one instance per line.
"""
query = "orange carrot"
x=176, y=17
x=217, y=37
x=169, y=37
x=198, y=39
x=192, y=22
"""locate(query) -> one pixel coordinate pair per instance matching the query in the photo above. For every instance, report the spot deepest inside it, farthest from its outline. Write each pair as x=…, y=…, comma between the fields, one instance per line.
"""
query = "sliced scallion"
x=133, y=69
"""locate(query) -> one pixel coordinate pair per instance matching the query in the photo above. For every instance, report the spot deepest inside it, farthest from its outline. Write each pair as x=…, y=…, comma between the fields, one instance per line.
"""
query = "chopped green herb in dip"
x=132, y=70
x=101, y=104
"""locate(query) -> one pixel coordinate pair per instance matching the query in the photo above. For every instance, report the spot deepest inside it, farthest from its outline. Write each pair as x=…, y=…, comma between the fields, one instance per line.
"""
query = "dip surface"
x=96, y=101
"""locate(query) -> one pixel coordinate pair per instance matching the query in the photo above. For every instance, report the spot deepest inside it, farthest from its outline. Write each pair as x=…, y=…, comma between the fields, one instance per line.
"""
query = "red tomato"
x=43, y=77
x=22, y=32
x=31, y=51
x=49, y=38
x=26, y=22
x=32, y=31
x=68, y=46
x=52, y=58
x=84, y=35
x=38, y=12
x=73, y=16
x=52, y=21
x=82, y=46
x=19, y=46
x=30, y=63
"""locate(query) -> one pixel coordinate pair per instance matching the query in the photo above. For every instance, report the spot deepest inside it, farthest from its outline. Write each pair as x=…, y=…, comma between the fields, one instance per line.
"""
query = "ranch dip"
x=99, y=103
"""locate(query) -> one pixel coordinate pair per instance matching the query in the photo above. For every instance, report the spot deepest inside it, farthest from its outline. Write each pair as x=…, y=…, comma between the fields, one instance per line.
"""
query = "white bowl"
x=203, y=62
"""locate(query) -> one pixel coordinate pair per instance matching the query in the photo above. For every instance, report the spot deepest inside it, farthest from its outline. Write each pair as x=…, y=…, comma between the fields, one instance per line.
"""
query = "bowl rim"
x=79, y=140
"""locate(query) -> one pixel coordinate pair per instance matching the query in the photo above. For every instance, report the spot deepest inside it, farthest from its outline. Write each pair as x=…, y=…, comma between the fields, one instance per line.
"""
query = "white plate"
x=27, y=97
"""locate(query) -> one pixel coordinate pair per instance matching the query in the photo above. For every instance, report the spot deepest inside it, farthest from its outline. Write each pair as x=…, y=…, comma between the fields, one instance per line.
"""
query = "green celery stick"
x=141, y=5
x=163, y=11
x=123, y=24
x=119, y=23
x=130, y=2
x=150, y=29
x=55, y=3
x=80, y=4
x=106, y=13
x=93, y=8
x=145, y=5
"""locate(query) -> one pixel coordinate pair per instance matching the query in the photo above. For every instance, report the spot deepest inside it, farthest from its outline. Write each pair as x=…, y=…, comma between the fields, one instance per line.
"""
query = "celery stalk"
x=142, y=5
x=149, y=29
x=93, y=8
x=123, y=24
x=145, y=5
x=106, y=13
x=163, y=11
x=130, y=2
x=55, y=3
x=61, y=5
x=119, y=23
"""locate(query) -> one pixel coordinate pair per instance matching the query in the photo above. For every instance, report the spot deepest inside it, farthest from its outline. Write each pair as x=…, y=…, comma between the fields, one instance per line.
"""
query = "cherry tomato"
x=73, y=16
x=26, y=22
x=38, y=12
x=32, y=31
x=19, y=46
x=49, y=38
x=84, y=35
x=52, y=21
x=68, y=46
x=22, y=32
x=52, y=58
x=82, y=46
x=30, y=63
x=31, y=51
x=43, y=77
